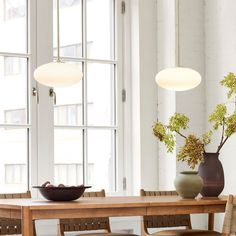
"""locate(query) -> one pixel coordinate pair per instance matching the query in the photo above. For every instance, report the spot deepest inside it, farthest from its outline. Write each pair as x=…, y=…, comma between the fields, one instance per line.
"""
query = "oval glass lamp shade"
x=58, y=74
x=178, y=78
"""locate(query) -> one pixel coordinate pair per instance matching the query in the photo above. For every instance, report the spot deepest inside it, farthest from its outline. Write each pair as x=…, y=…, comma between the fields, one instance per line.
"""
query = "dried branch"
x=223, y=131
x=181, y=134
x=221, y=145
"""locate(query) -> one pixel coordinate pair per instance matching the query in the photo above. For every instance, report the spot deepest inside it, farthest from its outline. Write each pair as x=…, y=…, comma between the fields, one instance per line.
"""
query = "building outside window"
x=17, y=116
x=15, y=174
x=14, y=9
x=70, y=174
x=12, y=66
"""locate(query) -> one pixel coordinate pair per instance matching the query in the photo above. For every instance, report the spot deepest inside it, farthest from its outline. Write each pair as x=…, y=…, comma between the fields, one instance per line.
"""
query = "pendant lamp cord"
x=177, y=48
x=58, y=32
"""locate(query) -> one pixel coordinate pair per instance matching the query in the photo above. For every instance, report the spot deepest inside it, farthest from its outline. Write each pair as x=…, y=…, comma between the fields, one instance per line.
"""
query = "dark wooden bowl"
x=62, y=193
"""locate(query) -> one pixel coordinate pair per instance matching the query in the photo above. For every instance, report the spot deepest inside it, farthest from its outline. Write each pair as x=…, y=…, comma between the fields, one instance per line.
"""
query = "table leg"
x=211, y=221
x=27, y=223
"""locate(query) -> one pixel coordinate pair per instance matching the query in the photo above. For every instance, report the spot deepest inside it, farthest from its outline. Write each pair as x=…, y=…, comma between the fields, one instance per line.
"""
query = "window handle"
x=35, y=94
x=53, y=94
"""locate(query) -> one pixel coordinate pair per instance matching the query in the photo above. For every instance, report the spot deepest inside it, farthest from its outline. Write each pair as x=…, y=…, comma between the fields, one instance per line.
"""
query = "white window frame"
x=30, y=56
x=43, y=163
x=45, y=127
x=30, y=118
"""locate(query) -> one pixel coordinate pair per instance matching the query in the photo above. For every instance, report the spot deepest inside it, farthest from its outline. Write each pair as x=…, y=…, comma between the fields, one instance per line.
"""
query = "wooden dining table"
x=30, y=209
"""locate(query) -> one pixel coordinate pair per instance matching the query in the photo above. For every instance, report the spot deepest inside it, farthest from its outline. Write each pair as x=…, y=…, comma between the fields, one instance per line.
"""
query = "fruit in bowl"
x=61, y=192
x=62, y=185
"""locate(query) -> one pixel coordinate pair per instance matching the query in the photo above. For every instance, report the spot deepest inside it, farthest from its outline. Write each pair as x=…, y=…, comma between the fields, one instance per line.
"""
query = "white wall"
x=191, y=54
x=144, y=94
x=220, y=53
x=207, y=44
x=166, y=99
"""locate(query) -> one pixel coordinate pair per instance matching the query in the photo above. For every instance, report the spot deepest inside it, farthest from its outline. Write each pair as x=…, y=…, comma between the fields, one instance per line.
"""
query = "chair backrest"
x=86, y=224
x=229, y=226
x=165, y=220
x=12, y=226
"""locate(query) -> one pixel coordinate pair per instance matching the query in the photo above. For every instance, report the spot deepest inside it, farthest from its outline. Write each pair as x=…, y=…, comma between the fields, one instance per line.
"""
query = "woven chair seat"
x=99, y=224
x=13, y=226
x=170, y=221
x=185, y=232
x=164, y=221
x=229, y=226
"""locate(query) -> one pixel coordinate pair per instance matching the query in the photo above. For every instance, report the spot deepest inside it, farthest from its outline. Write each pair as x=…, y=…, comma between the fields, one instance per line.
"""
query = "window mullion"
x=32, y=60
x=85, y=107
x=44, y=52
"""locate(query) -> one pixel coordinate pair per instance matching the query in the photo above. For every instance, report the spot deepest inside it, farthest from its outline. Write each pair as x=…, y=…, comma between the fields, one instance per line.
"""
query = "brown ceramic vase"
x=212, y=173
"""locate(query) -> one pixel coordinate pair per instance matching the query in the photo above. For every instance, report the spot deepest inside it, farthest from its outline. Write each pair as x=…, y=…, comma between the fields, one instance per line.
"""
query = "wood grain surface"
x=30, y=209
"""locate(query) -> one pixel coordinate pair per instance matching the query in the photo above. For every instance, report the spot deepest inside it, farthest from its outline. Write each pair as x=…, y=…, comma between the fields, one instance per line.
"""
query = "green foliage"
x=192, y=151
x=218, y=116
x=229, y=82
x=206, y=137
x=159, y=130
x=164, y=135
x=178, y=121
x=230, y=125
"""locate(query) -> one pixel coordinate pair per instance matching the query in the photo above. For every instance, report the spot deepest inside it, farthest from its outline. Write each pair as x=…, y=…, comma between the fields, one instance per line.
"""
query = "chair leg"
x=34, y=229
x=60, y=232
x=211, y=221
x=144, y=231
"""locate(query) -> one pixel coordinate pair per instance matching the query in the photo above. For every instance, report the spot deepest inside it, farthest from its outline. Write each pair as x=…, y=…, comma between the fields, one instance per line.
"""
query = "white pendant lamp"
x=178, y=78
x=58, y=74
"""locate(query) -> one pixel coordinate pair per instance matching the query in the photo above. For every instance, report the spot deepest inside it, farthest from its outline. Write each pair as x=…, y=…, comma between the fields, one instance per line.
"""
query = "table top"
x=110, y=202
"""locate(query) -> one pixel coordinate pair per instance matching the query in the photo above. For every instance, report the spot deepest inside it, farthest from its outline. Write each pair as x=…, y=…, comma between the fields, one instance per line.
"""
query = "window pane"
x=68, y=157
x=13, y=90
x=13, y=25
x=100, y=28
x=70, y=28
x=101, y=158
x=13, y=164
x=68, y=110
x=100, y=94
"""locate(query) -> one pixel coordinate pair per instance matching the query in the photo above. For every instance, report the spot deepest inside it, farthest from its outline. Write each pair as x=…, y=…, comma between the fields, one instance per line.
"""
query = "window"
x=67, y=3
x=15, y=174
x=70, y=50
x=85, y=136
x=67, y=114
x=17, y=116
x=15, y=124
x=12, y=66
x=84, y=139
x=71, y=174
x=73, y=50
x=14, y=27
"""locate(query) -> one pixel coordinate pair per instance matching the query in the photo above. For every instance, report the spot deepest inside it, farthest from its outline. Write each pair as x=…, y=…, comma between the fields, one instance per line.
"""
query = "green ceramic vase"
x=188, y=184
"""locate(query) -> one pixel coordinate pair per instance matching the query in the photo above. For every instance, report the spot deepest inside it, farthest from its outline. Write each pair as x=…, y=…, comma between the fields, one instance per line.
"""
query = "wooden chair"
x=88, y=224
x=229, y=226
x=12, y=226
x=170, y=221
